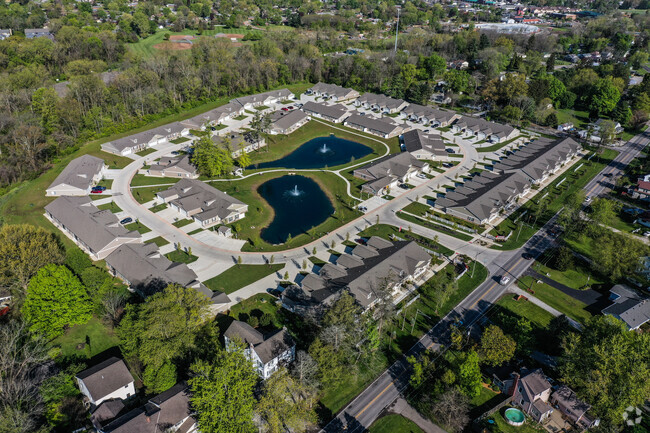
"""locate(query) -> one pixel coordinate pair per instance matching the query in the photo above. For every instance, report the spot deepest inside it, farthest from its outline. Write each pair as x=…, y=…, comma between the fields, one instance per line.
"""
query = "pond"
x=299, y=204
x=320, y=152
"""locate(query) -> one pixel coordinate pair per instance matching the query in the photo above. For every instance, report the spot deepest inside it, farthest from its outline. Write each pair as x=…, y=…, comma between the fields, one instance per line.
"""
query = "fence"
x=415, y=298
x=476, y=424
x=450, y=223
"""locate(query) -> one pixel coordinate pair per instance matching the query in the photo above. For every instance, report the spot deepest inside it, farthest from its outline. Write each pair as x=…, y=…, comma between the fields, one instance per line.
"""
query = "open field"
x=95, y=332
x=526, y=309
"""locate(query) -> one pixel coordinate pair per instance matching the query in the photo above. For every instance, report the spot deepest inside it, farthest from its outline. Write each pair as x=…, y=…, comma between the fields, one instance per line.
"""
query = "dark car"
x=608, y=174
x=99, y=188
x=290, y=107
x=527, y=256
x=126, y=220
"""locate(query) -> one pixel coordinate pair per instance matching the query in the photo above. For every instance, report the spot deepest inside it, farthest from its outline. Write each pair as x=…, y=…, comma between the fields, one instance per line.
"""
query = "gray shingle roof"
x=195, y=195
x=335, y=111
x=284, y=121
x=267, y=346
x=95, y=228
x=385, y=125
x=106, y=377
x=415, y=140
x=382, y=101
x=79, y=172
x=262, y=97
x=334, y=90
x=477, y=124
x=630, y=307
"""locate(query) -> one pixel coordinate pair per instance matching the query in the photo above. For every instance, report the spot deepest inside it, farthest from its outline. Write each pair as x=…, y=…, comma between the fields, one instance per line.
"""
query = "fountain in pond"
x=295, y=192
x=324, y=148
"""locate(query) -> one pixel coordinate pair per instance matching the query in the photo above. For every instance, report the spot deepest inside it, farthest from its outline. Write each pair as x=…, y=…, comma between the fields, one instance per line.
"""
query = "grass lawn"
x=138, y=226
x=526, y=309
x=181, y=257
x=394, y=424
x=577, y=277
x=240, y=117
x=260, y=214
x=257, y=305
x=241, y=276
x=142, y=180
x=315, y=260
x=146, y=152
x=388, y=232
x=182, y=223
x=144, y=195
x=160, y=241
x=554, y=196
x=496, y=146
x=193, y=232
x=108, y=183
x=99, y=335
x=556, y=299
x=110, y=206
x=580, y=119
x=178, y=140
x=281, y=145
x=158, y=207
x=435, y=226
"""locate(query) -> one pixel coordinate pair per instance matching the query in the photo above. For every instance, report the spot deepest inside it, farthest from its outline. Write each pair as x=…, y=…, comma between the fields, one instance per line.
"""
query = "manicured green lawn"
x=496, y=146
x=160, y=241
x=179, y=140
x=580, y=119
x=577, y=277
x=100, y=336
x=144, y=195
x=181, y=257
x=256, y=305
x=556, y=299
x=526, y=309
x=502, y=426
x=146, y=152
x=113, y=161
x=193, y=232
x=388, y=232
x=158, y=207
x=182, y=223
x=435, y=226
x=142, y=180
x=241, y=276
x=417, y=208
x=138, y=226
x=110, y=206
x=108, y=183
x=394, y=424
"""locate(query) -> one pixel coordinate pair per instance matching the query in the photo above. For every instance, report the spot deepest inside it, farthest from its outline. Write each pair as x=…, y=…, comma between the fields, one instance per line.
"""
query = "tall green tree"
x=604, y=97
x=469, y=374
x=210, y=159
x=222, y=393
x=56, y=299
x=496, y=347
x=608, y=366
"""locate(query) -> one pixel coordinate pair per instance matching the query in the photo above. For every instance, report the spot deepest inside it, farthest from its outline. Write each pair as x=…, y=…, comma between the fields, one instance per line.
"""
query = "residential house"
x=78, y=177
x=629, y=306
x=106, y=412
x=380, y=265
x=143, y=140
x=458, y=64
x=531, y=392
x=642, y=188
x=205, y=204
x=429, y=115
x=484, y=130
x=598, y=124
x=218, y=115
x=384, y=127
x=332, y=113
x=5, y=33
x=174, y=166
x=285, y=122
x=267, y=352
x=38, y=33
x=387, y=172
x=168, y=412
x=144, y=269
x=333, y=92
x=565, y=127
x=106, y=381
x=97, y=232
x=238, y=143
x=263, y=99
x=573, y=409
x=383, y=103
x=424, y=145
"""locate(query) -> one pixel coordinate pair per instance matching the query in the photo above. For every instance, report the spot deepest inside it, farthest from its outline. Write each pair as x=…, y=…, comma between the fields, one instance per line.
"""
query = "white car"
x=504, y=280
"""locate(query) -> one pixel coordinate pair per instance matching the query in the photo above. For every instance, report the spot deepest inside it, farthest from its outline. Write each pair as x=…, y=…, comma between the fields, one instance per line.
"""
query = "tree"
x=243, y=160
x=604, y=97
x=305, y=369
x=469, y=374
x=211, y=160
x=618, y=253
x=284, y=405
x=607, y=365
x=159, y=378
x=24, y=250
x=550, y=64
x=55, y=299
x=77, y=260
x=496, y=347
x=607, y=132
x=164, y=327
x=452, y=409
x=259, y=124
x=222, y=393
x=603, y=211
x=564, y=259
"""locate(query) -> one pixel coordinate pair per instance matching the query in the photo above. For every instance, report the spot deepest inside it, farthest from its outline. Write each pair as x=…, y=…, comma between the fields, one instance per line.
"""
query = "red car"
x=284, y=109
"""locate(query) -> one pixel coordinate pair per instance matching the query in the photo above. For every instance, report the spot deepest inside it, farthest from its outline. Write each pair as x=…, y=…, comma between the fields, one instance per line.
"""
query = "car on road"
x=527, y=256
x=447, y=164
x=587, y=199
x=427, y=130
x=421, y=176
x=608, y=174
x=504, y=280
x=363, y=209
x=126, y=220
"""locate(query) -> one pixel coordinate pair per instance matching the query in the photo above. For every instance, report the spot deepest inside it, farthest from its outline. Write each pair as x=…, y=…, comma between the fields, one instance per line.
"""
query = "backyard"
x=87, y=340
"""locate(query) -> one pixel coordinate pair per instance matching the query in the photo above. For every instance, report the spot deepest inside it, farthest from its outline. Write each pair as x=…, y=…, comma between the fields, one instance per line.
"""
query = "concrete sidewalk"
x=401, y=407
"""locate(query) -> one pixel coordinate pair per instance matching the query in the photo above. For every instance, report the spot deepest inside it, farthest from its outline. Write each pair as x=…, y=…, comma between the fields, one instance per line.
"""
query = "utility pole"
x=397, y=28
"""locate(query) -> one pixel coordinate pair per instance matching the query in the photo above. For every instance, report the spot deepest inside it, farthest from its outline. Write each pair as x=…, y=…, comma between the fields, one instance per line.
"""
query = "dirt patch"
x=181, y=37
x=173, y=46
x=231, y=36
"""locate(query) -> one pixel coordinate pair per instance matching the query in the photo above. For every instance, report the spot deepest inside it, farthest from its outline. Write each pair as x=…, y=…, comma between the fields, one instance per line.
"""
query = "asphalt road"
x=604, y=181
x=368, y=405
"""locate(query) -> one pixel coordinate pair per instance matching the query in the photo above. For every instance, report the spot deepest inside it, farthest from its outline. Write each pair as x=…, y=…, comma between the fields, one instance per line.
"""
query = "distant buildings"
x=383, y=103
x=38, y=33
x=384, y=127
x=97, y=232
x=484, y=130
x=205, y=204
x=143, y=140
x=267, y=352
x=78, y=177
x=263, y=99
x=388, y=172
x=333, y=92
x=427, y=115
x=5, y=33
x=381, y=265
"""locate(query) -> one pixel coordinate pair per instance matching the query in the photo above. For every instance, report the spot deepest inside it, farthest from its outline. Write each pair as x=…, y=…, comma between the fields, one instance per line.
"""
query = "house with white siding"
x=78, y=177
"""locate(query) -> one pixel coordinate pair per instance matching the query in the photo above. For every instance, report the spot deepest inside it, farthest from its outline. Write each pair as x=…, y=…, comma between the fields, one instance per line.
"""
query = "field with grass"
x=578, y=277
x=497, y=146
x=554, y=298
x=100, y=337
x=138, y=226
x=580, y=119
x=241, y=276
x=573, y=180
x=527, y=309
x=142, y=180
x=394, y=424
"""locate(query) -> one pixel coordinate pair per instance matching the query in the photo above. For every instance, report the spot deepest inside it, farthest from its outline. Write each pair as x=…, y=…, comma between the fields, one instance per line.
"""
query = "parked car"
x=421, y=176
x=291, y=107
x=527, y=256
x=587, y=199
x=447, y=164
x=403, y=186
x=450, y=150
x=96, y=191
x=126, y=220
x=284, y=109
x=360, y=241
x=99, y=188
x=427, y=130
x=504, y=280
